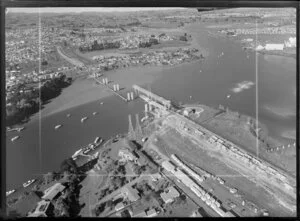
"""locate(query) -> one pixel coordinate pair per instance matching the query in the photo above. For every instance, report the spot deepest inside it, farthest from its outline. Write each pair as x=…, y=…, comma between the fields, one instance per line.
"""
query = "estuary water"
x=229, y=76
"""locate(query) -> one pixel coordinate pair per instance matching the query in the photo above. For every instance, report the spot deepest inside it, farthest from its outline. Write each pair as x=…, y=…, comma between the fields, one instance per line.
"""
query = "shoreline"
x=246, y=45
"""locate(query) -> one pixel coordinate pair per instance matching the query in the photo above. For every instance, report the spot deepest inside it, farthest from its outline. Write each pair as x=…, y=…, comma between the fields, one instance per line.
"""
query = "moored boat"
x=57, y=126
x=15, y=138
x=76, y=153
x=29, y=182
x=83, y=119
x=10, y=192
x=97, y=139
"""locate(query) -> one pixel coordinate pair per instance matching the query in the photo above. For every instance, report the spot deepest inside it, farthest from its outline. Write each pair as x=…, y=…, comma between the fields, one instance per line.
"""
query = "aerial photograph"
x=150, y=112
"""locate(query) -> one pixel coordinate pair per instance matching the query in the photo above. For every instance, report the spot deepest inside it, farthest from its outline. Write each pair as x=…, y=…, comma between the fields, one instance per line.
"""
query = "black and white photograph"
x=150, y=112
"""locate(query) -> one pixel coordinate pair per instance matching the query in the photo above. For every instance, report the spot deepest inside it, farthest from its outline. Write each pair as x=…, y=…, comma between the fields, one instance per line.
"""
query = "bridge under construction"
x=151, y=96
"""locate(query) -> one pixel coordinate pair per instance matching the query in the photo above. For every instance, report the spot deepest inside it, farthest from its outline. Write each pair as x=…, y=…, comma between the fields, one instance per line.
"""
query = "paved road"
x=71, y=60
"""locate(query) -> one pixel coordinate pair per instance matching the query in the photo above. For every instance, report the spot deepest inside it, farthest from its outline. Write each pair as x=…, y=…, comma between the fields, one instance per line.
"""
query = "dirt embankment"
x=73, y=61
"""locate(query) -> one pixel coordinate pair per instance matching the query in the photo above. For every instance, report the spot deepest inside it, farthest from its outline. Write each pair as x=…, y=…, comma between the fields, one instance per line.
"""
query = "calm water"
x=41, y=148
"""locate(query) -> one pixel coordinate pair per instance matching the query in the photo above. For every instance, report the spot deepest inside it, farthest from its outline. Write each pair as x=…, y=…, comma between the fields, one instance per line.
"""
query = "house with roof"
x=126, y=155
x=155, y=176
x=119, y=206
x=130, y=193
x=53, y=192
x=138, y=211
x=169, y=195
x=151, y=213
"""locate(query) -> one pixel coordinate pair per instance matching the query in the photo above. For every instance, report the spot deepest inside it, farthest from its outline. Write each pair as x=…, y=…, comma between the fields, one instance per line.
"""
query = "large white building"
x=291, y=42
x=270, y=47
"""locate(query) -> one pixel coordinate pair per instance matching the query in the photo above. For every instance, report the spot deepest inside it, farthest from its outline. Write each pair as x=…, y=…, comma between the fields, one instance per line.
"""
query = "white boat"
x=28, y=183
x=68, y=115
x=94, y=113
x=101, y=103
x=83, y=119
x=57, y=126
x=15, y=138
x=76, y=153
x=10, y=192
x=97, y=139
x=144, y=118
x=228, y=96
x=87, y=150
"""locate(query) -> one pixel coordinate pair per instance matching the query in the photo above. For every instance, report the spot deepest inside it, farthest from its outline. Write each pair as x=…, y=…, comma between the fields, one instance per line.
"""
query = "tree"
x=49, y=177
x=69, y=165
x=44, y=62
x=61, y=207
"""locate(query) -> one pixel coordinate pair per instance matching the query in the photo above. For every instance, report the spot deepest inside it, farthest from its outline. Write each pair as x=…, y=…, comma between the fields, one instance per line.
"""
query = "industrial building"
x=270, y=47
x=167, y=165
x=53, y=192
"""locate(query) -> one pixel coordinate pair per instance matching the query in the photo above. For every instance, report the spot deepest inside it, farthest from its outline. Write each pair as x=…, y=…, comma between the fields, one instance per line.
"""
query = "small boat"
x=94, y=113
x=200, y=71
x=57, y=126
x=86, y=151
x=97, y=139
x=20, y=129
x=144, y=118
x=101, y=103
x=228, y=96
x=83, y=119
x=15, y=138
x=28, y=183
x=68, y=115
x=76, y=153
x=10, y=192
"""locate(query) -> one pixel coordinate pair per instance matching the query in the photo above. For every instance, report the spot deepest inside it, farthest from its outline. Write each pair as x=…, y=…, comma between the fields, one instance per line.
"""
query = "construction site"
x=218, y=175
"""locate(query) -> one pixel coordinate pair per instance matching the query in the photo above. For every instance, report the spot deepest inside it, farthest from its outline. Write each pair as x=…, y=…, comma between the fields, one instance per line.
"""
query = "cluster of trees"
x=69, y=165
x=68, y=206
x=147, y=44
x=52, y=88
x=100, y=208
x=23, y=105
x=143, y=188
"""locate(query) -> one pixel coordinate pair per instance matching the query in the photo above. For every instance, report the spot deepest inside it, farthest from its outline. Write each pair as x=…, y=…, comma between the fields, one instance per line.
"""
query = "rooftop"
x=52, y=192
